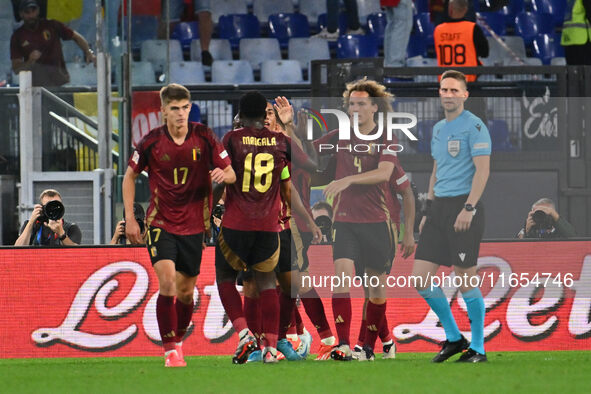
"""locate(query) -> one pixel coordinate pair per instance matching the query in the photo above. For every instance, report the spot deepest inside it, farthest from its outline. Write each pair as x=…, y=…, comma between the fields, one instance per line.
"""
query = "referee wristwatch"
x=470, y=208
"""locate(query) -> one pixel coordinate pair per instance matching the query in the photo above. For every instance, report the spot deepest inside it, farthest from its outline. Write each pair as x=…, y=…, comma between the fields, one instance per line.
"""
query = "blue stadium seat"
x=498, y=55
x=154, y=51
x=424, y=26
x=81, y=74
x=285, y=26
x=264, y=8
x=305, y=50
x=312, y=9
x=417, y=46
x=322, y=22
x=231, y=72
x=195, y=114
x=187, y=73
x=257, y=50
x=356, y=46
x=219, y=48
x=281, y=71
x=421, y=6
x=496, y=21
x=555, y=8
x=499, y=135
x=366, y=8
x=227, y=7
x=185, y=32
x=547, y=47
x=529, y=25
x=513, y=8
x=235, y=27
x=376, y=26
x=142, y=73
x=143, y=27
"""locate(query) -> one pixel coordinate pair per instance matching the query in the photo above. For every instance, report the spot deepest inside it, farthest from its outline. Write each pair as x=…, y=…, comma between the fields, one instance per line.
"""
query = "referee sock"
x=438, y=302
x=252, y=312
x=341, y=310
x=374, y=316
x=286, y=307
x=232, y=304
x=167, y=321
x=184, y=312
x=315, y=310
x=476, y=310
x=270, y=321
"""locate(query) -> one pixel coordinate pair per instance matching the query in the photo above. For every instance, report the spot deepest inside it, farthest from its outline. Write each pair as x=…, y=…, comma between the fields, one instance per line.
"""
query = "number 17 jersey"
x=258, y=157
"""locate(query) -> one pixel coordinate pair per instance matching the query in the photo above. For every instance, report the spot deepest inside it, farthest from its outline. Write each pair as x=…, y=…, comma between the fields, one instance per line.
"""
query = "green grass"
x=539, y=372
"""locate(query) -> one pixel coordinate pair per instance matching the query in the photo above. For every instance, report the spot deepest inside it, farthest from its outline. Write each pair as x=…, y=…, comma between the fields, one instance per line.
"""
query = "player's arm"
x=226, y=176
x=430, y=194
x=482, y=164
x=83, y=44
x=408, y=207
x=132, y=228
x=379, y=175
x=298, y=207
x=25, y=236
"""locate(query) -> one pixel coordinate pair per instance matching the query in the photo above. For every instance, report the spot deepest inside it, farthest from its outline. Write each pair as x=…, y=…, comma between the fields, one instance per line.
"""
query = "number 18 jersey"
x=258, y=157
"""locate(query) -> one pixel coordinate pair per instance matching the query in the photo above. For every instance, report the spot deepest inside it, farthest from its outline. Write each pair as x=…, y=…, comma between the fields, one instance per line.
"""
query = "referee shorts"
x=439, y=243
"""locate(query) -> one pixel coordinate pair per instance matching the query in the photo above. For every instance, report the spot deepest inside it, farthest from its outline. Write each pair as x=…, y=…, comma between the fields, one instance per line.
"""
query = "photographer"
x=119, y=235
x=322, y=214
x=46, y=227
x=544, y=222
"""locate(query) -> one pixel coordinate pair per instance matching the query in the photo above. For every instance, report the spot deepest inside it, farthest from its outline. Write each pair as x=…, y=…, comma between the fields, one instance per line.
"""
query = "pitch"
x=566, y=371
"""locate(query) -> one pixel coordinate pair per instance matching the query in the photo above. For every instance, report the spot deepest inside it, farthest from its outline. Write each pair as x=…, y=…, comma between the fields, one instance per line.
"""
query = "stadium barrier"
x=100, y=301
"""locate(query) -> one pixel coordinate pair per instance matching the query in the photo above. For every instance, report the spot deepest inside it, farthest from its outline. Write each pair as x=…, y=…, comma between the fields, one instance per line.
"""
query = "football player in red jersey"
x=361, y=230
x=178, y=157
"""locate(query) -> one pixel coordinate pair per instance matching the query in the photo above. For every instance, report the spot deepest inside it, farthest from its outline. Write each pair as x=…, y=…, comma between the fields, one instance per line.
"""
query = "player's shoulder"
x=152, y=137
x=473, y=122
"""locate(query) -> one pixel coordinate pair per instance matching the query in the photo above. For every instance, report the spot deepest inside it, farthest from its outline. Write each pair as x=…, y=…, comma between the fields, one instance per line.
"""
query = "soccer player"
x=451, y=231
x=361, y=230
x=249, y=237
x=178, y=157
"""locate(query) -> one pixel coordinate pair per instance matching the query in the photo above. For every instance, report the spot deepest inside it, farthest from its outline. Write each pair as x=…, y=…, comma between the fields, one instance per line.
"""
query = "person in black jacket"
x=543, y=221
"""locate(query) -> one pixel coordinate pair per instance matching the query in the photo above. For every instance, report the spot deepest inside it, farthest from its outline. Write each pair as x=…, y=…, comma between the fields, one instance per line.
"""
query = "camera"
x=325, y=225
x=542, y=220
x=53, y=210
x=139, y=214
x=218, y=211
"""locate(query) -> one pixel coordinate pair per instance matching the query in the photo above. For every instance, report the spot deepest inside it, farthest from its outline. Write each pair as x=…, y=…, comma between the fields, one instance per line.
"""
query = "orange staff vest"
x=454, y=45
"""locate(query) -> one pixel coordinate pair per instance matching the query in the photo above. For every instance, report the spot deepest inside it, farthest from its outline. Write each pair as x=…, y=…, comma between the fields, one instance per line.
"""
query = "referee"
x=451, y=231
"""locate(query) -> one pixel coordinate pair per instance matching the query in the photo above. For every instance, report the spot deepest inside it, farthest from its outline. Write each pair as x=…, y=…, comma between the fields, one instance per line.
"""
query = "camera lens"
x=54, y=210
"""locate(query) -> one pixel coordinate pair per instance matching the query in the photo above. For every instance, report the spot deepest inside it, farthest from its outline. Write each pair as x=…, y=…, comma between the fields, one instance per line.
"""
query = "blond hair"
x=376, y=91
x=49, y=193
x=174, y=92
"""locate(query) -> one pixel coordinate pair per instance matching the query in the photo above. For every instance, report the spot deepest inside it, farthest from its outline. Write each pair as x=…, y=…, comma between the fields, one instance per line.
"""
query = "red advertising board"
x=85, y=302
x=145, y=114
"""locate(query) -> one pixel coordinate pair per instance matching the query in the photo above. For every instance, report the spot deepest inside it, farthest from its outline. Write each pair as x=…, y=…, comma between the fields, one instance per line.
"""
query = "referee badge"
x=453, y=147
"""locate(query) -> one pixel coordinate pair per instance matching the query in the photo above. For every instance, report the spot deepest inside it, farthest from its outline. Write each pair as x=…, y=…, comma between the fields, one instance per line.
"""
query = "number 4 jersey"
x=259, y=158
x=180, y=185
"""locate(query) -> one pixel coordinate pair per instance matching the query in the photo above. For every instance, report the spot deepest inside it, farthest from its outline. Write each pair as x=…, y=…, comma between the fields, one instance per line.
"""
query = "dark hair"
x=323, y=205
x=457, y=75
x=174, y=92
x=253, y=105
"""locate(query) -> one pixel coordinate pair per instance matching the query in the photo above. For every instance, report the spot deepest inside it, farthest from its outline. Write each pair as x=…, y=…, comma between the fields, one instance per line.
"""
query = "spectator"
x=36, y=47
x=576, y=32
x=543, y=221
x=46, y=227
x=331, y=31
x=140, y=217
x=322, y=213
x=399, y=16
x=203, y=11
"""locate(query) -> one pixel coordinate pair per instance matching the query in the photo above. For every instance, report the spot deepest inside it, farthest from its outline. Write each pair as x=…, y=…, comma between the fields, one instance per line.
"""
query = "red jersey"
x=398, y=182
x=258, y=158
x=359, y=203
x=50, y=69
x=300, y=179
x=285, y=214
x=180, y=184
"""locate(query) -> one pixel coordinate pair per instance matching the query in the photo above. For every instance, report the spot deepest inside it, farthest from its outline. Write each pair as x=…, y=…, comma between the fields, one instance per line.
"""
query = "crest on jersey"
x=196, y=154
x=46, y=35
x=453, y=147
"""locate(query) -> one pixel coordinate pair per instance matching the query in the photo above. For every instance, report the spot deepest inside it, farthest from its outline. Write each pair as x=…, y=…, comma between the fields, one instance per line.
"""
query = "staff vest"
x=454, y=45
x=576, y=29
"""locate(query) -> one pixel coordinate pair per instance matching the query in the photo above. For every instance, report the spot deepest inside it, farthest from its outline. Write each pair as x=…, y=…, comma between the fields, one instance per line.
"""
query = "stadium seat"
x=305, y=50
x=513, y=8
x=312, y=9
x=154, y=51
x=419, y=61
x=187, y=73
x=555, y=8
x=499, y=135
x=257, y=50
x=285, y=26
x=195, y=114
x=497, y=22
x=81, y=74
x=322, y=22
x=235, y=27
x=416, y=46
x=529, y=25
x=185, y=32
x=421, y=6
x=143, y=27
x=366, y=8
x=376, y=26
x=424, y=27
x=547, y=47
x=264, y=8
x=356, y=46
x=498, y=54
x=218, y=47
x=558, y=61
x=281, y=71
x=226, y=7
x=231, y=72
x=142, y=73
